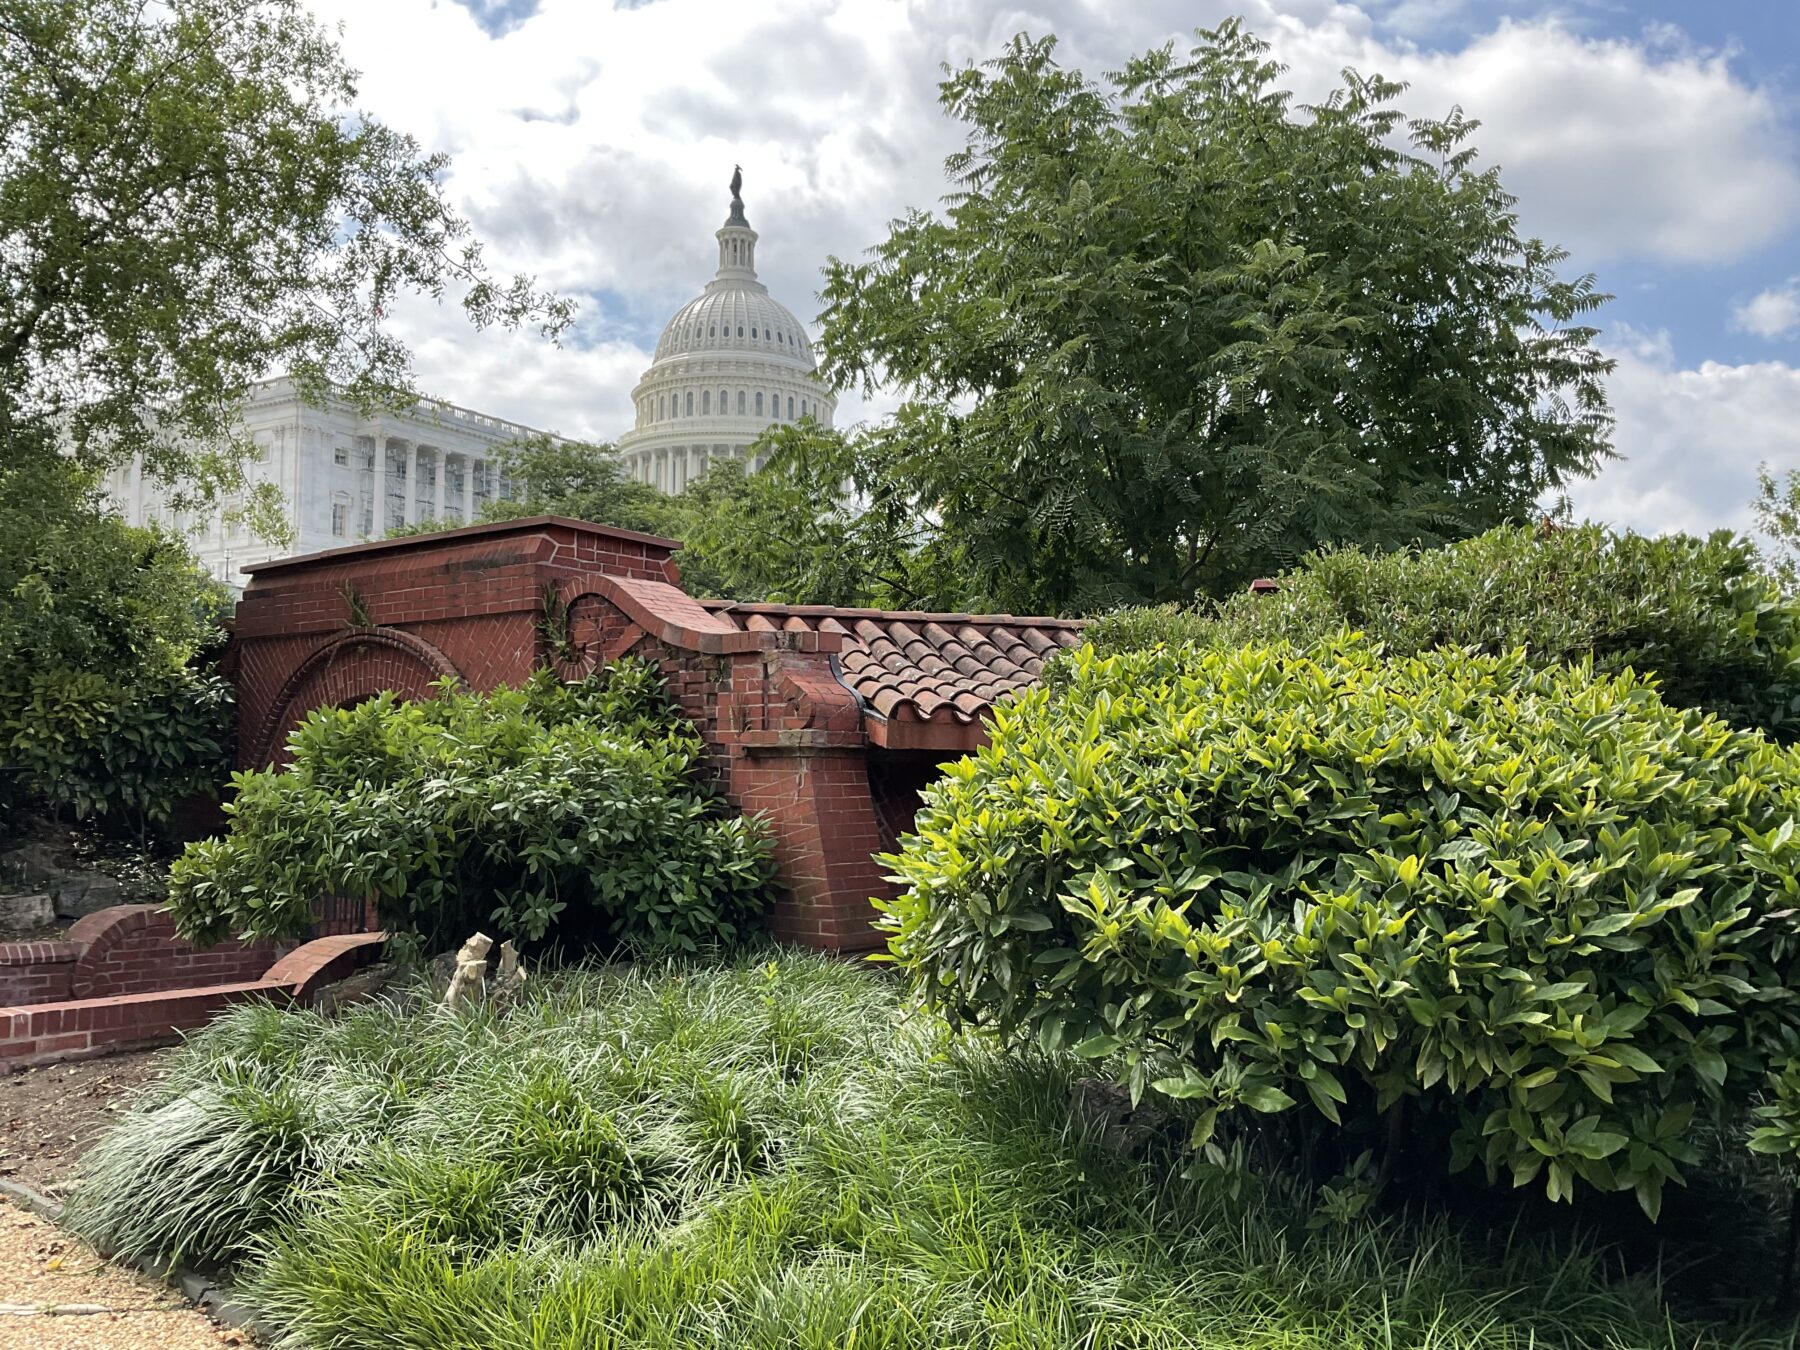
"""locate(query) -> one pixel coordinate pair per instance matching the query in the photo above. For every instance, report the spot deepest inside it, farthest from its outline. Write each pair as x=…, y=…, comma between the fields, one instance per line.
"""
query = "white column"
x=378, y=472
x=435, y=456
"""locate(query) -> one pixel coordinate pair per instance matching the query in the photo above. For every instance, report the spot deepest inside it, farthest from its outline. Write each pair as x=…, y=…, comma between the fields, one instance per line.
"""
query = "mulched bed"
x=49, y=1115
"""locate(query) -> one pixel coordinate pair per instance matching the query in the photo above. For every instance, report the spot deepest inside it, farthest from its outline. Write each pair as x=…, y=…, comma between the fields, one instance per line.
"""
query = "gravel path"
x=41, y=1266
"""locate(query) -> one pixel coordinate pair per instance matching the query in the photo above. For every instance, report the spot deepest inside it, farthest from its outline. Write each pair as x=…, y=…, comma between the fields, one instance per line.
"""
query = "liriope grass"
x=769, y=1154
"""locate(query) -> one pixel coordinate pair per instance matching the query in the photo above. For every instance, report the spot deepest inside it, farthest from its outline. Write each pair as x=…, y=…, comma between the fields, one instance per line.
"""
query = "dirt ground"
x=49, y=1115
x=43, y=1268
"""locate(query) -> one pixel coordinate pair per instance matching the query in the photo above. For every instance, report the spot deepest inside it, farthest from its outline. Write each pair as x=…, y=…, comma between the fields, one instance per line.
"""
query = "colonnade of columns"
x=672, y=468
x=418, y=482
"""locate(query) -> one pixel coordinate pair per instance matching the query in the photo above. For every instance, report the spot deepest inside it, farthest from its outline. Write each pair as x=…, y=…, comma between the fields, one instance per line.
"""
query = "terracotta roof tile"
x=915, y=666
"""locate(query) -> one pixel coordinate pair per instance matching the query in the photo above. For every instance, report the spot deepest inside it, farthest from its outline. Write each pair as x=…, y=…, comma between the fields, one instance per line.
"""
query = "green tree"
x=189, y=198
x=578, y=479
x=813, y=526
x=1172, y=330
x=103, y=714
x=1777, y=510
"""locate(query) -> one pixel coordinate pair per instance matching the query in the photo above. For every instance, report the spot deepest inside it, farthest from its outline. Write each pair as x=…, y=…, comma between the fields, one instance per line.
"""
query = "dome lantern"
x=737, y=241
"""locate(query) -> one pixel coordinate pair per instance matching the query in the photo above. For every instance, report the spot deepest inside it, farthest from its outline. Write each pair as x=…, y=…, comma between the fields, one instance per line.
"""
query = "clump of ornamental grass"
x=771, y=1153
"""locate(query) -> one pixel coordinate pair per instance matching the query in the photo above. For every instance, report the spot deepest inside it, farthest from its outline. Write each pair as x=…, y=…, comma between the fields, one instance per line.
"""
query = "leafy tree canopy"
x=1777, y=510
x=819, y=524
x=1172, y=330
x=190, y=200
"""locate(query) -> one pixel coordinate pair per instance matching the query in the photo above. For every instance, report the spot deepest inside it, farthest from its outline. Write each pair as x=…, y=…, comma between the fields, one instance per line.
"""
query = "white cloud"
x=1614, y=149
x=1692, y=438
x=1773, y=313
x=591, y=145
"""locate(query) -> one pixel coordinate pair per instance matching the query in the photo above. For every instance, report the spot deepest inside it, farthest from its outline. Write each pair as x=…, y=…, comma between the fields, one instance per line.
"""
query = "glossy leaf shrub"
x=574, y=812
x=1550, y=915
x=1699, y=614
x=124, y=752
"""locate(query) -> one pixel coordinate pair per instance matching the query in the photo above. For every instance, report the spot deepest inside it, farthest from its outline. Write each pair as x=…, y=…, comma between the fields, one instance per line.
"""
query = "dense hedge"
x=109, y=711
x=122, y=752
x=1699, y=613
x=1545, y=908
x=566, y=811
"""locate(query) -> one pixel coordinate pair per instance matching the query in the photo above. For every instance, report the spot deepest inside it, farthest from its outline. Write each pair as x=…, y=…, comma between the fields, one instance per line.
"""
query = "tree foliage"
x=104, y=714
x=189, y=198
x=813, y=526
x=551, y=476
x=1777, y=508
x=1548, y=913
x=1171, y=330
x=1699, y=614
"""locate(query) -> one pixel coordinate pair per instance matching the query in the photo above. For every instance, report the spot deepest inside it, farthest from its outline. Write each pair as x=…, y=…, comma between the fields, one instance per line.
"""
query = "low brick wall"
x=37, y=972
x=45, y=1032
x=125, y=949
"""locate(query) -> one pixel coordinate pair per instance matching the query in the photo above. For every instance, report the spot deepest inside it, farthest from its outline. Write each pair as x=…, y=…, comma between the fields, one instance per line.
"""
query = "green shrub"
x=124, y=754
x=1698, y=613
x=1542, y=907
x=573, y=811
x=103, y=714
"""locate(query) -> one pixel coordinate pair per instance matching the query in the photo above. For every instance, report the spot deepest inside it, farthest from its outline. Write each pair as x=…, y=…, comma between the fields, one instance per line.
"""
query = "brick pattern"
x=133, y=949
x=312, y=966
x=45, y=1032
x=36, y=972
x=123, y=949
x=467, y=603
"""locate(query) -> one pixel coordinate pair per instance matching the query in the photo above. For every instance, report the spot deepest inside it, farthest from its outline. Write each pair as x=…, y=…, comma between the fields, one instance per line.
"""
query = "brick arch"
x=349, y=668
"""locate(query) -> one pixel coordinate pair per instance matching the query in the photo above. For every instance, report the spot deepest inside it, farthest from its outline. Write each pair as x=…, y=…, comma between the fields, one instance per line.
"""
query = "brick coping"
x=438, y=538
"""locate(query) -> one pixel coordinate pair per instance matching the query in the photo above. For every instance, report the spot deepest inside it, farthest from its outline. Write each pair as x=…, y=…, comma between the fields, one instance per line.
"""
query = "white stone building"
x=730, y=363
x=345, y=478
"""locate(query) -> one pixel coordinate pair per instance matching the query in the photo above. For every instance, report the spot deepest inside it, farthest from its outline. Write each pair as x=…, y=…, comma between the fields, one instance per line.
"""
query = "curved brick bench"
x=133, y=949
x=43, y=1032
x=313, y=965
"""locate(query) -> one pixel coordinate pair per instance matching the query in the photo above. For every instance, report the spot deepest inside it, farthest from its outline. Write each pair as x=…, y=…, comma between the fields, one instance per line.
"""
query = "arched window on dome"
x=740, y=330
x=711, y=331
x=690, y=411
x=774, y=403
x=759, y=403
x=753, y=330
x=706, y=402
x=724, y=401
x=660, y=414
x=740, y=403
x=790, y=407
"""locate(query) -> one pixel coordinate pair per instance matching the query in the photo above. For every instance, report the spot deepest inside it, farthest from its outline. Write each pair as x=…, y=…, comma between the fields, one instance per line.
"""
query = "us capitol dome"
x=732, y=362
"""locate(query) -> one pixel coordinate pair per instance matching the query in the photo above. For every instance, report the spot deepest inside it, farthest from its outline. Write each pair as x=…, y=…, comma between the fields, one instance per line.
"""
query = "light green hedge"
x=1549, y=912
x=1699, y=614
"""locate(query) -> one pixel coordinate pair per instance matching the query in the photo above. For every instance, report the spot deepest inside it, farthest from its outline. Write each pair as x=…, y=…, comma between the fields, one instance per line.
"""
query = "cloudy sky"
x=1657, y=140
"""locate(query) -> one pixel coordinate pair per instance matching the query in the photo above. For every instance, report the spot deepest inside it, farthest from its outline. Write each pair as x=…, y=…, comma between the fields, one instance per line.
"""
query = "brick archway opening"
x=355, y=666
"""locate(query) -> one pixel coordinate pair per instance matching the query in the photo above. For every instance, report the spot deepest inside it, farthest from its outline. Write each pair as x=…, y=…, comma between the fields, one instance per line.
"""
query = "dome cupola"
x=732, y=362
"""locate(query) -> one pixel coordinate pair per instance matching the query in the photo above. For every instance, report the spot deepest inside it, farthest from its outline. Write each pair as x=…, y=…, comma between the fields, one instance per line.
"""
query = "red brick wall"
x=40, y=1033
x=132, y=949
x=784, y=736
x=36, y=972
x=467, y=604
